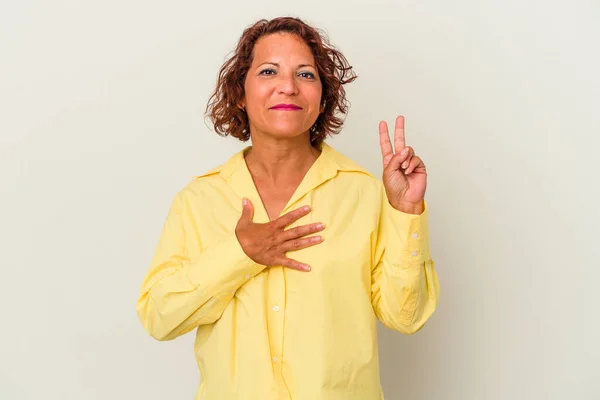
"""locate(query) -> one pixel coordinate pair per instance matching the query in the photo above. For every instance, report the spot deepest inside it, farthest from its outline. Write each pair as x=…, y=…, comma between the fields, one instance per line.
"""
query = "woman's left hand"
x=404, y=174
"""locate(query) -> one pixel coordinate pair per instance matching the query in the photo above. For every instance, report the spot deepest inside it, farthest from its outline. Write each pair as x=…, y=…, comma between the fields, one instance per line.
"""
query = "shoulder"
x=204, y=180
x=216, y=177
x=350, y=169
x=201, y=187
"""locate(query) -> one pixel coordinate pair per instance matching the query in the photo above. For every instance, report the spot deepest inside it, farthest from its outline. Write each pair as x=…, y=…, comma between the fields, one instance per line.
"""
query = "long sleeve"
x=178, y=293
x=405, y=287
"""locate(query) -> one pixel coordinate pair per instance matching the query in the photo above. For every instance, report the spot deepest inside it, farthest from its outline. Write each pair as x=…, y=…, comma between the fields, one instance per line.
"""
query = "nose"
x=288, y=85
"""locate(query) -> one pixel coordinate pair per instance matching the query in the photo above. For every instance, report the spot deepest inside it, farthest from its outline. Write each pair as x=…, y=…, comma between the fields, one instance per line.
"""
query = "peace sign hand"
x=404, y=174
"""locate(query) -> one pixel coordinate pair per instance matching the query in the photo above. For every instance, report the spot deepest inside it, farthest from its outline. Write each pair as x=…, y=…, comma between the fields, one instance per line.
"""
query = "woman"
x=283, y=257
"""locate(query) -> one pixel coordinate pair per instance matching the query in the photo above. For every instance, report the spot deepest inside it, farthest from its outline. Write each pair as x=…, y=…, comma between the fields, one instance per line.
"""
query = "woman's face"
x=282, y=87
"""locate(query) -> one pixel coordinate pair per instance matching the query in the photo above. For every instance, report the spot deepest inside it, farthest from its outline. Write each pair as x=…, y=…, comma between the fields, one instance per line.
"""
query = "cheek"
x=316, y=95
x=254, y=93
x=258, y=98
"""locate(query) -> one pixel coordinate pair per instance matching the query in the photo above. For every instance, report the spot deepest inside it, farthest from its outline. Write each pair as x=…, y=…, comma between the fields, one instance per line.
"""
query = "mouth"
x=286, y=107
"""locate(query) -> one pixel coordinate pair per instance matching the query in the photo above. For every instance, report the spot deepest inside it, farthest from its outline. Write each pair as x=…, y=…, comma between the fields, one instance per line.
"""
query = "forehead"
x=282, y=46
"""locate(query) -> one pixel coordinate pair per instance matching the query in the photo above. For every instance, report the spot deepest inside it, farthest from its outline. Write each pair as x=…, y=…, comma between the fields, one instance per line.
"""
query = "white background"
x=101, y=122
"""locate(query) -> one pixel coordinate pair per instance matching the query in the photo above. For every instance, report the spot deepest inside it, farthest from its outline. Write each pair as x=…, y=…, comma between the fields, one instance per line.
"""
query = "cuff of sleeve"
x=224, y=265
x=407, y=236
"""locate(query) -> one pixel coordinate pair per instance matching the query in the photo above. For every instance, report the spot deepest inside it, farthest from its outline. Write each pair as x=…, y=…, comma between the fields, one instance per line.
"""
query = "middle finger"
x=300, y=231
x=298, y=244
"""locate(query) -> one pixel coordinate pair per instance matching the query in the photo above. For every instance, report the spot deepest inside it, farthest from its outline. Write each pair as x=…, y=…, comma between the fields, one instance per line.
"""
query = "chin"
x=288, y=131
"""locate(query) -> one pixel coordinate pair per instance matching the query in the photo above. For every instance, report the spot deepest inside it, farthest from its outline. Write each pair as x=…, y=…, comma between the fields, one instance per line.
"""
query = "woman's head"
x=281, y=61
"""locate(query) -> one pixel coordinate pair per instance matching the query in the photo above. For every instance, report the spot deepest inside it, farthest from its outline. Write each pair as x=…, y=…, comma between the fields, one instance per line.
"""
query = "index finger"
x=387, y=152
x=399, y=141
x=290, y=217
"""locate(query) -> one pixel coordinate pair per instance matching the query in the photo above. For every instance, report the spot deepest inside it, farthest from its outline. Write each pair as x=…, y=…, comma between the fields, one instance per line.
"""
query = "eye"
x=307, y=74
x=267, y=71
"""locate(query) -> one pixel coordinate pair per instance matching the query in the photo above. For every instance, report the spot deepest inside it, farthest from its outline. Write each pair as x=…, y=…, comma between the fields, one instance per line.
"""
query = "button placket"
x=275, y=318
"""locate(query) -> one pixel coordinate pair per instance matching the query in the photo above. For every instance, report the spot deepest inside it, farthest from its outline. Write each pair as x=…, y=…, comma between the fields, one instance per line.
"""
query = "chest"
x=274, y=199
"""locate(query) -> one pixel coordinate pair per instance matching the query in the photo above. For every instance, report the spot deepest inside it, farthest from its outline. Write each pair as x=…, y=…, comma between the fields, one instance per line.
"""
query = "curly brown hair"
x=333, y=68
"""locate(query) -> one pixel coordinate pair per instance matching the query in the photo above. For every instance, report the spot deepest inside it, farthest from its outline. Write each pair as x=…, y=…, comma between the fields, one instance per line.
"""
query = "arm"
x=178, y=293
x=405, y=287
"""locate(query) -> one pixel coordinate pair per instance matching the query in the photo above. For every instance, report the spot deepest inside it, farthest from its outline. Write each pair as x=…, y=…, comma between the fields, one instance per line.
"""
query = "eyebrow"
x=277, y=65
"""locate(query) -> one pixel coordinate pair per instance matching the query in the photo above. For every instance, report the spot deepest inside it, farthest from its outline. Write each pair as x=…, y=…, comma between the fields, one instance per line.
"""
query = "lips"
x=286, y=107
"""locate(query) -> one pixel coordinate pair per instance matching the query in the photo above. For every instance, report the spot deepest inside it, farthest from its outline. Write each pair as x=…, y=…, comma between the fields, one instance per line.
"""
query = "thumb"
x=247, y=211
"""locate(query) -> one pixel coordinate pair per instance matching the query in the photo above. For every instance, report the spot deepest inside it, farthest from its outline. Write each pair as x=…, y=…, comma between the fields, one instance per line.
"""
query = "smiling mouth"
x=286, y=107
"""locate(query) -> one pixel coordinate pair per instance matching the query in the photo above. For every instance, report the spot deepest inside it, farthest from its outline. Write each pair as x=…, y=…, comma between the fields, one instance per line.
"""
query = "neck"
x=281, y=159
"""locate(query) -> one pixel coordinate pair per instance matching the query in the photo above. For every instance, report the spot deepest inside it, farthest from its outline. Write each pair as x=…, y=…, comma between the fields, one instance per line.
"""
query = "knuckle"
x=275, y=224
x=274, y=233
x=273, y=242
x=292, y=264
x=283, y=261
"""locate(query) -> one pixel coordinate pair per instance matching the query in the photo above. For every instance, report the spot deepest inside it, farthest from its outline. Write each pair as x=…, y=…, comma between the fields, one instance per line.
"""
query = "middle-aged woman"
x=283, y=257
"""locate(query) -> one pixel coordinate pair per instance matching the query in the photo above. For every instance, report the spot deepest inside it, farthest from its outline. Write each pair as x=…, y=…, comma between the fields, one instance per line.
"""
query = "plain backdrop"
x=101, y=123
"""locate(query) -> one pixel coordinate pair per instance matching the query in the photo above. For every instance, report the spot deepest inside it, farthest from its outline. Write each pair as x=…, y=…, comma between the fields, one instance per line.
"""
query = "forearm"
x=179, y=295
x=405, y=284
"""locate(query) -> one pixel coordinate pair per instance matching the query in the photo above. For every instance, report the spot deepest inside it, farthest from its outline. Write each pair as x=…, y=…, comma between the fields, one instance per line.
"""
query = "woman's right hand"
x=266, y=244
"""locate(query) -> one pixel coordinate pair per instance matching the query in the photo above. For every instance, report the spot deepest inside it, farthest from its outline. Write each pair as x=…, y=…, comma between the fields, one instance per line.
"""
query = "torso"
x=275, y=199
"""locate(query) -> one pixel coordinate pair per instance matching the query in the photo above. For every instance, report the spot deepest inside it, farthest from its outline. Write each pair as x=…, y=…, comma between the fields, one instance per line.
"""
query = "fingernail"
x=245, y=201
x=306, y=268
x=404, y=151
x=306, y=208
x=405, y=165
x=320, y=226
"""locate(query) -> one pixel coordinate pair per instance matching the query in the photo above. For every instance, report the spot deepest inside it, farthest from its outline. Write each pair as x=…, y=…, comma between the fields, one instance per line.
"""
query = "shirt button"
x=414, y=253
x=415, y=235
x=275, y=359
x=275, y=308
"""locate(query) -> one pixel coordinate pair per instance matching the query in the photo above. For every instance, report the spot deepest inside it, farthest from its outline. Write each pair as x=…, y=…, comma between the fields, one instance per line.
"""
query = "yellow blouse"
x=271, y=333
